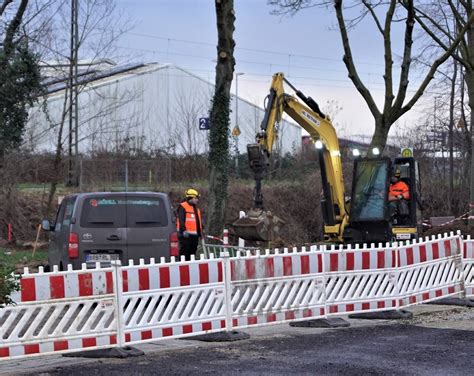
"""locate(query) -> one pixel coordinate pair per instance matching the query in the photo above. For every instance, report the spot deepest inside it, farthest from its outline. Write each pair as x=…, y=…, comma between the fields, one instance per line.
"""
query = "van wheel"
x=61, y=267
x=46, y=268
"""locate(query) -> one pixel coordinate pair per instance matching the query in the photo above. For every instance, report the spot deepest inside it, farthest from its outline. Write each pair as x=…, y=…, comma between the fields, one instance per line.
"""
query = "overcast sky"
x=306, y=47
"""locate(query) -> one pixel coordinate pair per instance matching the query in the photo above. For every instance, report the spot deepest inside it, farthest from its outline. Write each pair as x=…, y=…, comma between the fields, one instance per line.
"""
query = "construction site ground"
x=437, y=340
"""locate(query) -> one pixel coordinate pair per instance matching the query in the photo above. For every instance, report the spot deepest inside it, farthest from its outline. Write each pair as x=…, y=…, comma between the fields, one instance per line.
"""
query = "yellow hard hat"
x=191, y=193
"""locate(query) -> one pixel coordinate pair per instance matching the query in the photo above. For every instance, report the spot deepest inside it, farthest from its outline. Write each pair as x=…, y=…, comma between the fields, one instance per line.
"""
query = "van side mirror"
x=46, y=226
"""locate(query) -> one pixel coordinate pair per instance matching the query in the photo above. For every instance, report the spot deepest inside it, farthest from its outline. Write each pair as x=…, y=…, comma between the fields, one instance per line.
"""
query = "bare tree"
x=220, y=117
x=99, y=26
x=190, y=106
x=396, y=102
x=19, y=87
x=433, y=18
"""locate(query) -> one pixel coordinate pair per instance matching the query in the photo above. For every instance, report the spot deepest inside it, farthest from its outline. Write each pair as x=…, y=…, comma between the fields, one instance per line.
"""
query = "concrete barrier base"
x=332, y=322
x=462, y=302
x=116, y=352
x=394, y=314
x=230, y=336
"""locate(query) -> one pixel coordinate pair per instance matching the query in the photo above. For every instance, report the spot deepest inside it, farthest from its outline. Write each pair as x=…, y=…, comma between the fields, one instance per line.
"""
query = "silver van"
x=104, y=226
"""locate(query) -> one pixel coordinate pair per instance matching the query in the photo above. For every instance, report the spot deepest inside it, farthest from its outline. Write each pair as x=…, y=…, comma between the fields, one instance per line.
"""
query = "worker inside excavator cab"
x=398, y=196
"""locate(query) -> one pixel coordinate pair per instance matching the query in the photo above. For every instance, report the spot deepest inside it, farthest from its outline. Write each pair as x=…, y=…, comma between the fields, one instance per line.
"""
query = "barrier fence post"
x=395, y=276
x=225, y=238
x=460, y=265
x=324, y=267
x=118, y=301
x=10, y=233
x=241, y=241
x=227, y=290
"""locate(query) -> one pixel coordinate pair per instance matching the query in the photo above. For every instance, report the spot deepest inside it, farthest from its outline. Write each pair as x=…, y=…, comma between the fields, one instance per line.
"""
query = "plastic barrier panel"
x=174, y=299
x=274, y=288
x=430, y=269
x=360, y=279
x=468, y=262
x=60, y=312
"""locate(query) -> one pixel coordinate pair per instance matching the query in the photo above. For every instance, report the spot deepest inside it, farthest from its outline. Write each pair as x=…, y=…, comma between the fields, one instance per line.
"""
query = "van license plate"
x=102, y=257
x=404, y=236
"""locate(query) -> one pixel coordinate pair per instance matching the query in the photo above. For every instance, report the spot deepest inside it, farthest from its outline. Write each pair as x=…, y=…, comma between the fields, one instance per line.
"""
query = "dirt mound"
x=23, y=212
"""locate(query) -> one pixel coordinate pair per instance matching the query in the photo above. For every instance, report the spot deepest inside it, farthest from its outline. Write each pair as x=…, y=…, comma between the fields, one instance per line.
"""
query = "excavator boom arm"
x=310, y=118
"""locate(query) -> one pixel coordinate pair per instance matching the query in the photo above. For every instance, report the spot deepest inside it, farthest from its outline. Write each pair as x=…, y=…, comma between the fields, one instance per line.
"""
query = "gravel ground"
x=450, y=315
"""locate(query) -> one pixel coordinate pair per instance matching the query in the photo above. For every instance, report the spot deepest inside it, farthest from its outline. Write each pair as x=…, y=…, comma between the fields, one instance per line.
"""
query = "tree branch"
x=374, y=16
x=406, y=61
x=433, y=36
x=456, y=13
x=388, y=57
x=13, y=27
x=436, y=65
x=349, y=61
x=4, y=6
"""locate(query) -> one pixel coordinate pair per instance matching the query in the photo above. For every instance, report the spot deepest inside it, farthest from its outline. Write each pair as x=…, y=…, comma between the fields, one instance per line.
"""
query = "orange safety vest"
x=190, y=222
x=400, y=188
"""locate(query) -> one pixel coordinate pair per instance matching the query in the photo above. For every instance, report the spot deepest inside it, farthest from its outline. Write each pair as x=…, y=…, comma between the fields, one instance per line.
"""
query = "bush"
x=8, y=284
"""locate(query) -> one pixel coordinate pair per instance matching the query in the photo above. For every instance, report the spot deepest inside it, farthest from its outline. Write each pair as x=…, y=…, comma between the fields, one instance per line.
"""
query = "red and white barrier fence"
x=71, y=310
x=171, y=299
x=468, y=264
x=60, y=312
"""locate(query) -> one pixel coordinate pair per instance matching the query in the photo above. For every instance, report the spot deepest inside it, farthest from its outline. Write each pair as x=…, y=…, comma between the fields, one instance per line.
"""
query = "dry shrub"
x=459, y=225
x=297, y=204
x=22, y=211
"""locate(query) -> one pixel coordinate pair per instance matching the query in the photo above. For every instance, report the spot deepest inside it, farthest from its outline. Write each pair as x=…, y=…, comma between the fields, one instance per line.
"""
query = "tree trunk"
x=470, y=90
x=379, y=139
x=220, y=118
x=451, y=137
x=57, y=156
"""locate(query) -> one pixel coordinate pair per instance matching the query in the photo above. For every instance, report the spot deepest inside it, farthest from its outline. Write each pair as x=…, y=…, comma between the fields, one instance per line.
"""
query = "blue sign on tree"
x=204, y=124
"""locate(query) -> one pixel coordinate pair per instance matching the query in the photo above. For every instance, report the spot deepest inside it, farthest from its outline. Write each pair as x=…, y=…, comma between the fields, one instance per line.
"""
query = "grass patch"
x=18, y=257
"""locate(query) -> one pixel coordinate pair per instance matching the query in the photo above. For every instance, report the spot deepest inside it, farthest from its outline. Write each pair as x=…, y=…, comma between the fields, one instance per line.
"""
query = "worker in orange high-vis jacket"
x=398, y=193
x=189, y=224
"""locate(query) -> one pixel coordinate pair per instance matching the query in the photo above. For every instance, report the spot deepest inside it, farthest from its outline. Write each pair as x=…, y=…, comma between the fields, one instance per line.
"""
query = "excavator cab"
x=369, y=216
x=405, y=225
x=373, y=218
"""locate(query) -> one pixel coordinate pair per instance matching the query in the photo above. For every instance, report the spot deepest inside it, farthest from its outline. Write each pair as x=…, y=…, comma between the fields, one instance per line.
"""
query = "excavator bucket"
x=259, y=225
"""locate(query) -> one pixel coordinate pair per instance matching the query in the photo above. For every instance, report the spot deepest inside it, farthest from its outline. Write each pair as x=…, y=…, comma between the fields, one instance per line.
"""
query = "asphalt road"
x=437, y=341
x=379, y=350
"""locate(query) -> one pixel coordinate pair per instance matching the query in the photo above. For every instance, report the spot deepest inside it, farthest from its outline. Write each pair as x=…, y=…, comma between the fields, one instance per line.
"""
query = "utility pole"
x=73, y=147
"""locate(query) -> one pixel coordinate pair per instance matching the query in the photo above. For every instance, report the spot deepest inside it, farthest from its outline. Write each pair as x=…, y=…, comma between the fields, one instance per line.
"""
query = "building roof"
x=59, y=80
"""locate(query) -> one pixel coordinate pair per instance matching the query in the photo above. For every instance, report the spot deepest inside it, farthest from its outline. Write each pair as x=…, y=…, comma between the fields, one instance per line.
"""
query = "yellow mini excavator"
x=367, y=217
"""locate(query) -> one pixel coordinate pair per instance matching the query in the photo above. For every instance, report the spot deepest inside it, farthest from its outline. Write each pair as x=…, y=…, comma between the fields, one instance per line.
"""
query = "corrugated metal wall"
x=151, y=107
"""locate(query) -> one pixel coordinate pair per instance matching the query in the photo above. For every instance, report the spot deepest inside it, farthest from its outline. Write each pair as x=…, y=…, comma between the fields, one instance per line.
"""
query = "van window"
x=116, y=212
x=146, y=212
x=68, y=212
x=60, y=216
x=103, y=212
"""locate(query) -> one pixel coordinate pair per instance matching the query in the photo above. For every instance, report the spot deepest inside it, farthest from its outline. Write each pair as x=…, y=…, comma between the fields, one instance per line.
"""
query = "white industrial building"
x=141, y=106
